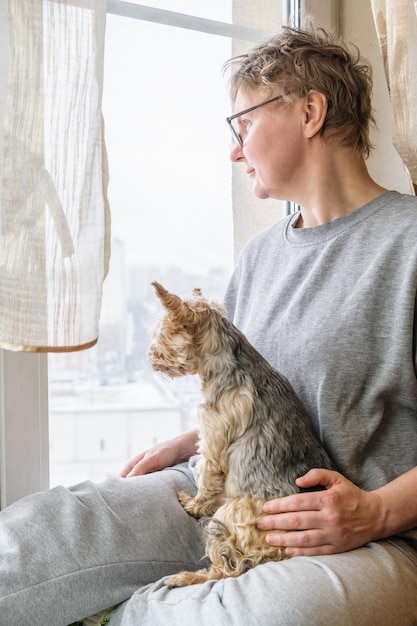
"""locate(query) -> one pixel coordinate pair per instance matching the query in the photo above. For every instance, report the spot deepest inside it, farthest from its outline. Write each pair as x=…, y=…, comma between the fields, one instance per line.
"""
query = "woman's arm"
x=163, y=455
x=341, y=517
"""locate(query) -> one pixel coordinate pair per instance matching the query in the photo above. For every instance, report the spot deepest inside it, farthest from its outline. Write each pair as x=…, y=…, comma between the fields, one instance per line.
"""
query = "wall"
x=357, y=26
x=249, y=213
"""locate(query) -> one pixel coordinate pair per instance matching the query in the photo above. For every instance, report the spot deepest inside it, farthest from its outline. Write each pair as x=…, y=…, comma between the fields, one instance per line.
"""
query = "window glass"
x=165, y=102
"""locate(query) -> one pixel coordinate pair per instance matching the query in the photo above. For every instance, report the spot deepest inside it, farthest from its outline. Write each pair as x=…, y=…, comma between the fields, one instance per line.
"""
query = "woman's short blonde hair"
x=298, y=60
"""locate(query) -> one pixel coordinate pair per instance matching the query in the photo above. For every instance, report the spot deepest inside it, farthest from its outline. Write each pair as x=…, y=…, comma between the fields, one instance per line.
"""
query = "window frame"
x=24, y=442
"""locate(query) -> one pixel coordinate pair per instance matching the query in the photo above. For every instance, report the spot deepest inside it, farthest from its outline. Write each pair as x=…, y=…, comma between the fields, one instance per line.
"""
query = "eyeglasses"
x=236, y=135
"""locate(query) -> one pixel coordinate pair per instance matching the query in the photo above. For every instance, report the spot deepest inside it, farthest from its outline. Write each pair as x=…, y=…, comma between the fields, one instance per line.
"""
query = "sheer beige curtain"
x=396, y=25
x=54, y=225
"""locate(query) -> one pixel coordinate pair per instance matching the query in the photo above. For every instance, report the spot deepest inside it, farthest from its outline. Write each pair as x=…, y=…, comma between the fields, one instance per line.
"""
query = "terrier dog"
x=255, y=435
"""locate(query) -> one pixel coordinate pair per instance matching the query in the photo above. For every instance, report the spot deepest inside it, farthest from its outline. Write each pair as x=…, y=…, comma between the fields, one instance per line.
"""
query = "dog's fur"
x=255, y=435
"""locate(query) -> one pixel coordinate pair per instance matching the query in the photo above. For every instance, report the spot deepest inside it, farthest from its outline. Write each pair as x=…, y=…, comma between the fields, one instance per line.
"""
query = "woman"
x=328, y=296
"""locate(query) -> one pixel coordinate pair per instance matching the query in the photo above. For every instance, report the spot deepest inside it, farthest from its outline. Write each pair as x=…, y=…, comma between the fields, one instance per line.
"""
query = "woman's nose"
x=236, y=153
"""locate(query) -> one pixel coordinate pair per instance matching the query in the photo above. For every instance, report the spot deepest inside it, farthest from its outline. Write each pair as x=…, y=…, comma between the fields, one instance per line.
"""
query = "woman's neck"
x=339, y=184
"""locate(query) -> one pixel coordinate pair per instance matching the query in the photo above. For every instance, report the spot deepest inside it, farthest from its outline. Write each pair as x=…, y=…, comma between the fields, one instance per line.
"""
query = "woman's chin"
x=260, y=192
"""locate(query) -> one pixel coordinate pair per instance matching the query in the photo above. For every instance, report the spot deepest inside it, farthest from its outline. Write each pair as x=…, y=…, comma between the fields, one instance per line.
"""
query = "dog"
x=255, y=435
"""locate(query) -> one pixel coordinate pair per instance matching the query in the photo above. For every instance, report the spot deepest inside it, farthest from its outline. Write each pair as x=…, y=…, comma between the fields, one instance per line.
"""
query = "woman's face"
x=272, y=143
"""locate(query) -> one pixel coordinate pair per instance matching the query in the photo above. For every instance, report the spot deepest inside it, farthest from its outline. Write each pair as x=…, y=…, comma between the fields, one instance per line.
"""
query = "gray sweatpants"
x=68, y=553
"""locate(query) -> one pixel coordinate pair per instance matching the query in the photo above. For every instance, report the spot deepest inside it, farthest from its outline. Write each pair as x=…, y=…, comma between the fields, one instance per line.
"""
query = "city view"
x=106, y=404
x=171, y=220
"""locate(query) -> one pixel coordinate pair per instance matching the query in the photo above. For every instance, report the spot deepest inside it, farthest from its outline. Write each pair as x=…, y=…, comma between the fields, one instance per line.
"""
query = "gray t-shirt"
x=333, y=309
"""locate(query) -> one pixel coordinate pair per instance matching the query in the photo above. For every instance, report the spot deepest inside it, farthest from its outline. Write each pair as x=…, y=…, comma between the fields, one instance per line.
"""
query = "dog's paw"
x=180, y=580
x=189, y=503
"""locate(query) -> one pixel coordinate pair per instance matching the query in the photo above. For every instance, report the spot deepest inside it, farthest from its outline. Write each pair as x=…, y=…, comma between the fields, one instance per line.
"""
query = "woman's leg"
x=373, y=586
x=69, y=553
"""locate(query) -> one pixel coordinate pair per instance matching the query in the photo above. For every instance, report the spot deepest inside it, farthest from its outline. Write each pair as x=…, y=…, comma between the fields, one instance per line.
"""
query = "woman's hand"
x=339, y=518
x=163, y=455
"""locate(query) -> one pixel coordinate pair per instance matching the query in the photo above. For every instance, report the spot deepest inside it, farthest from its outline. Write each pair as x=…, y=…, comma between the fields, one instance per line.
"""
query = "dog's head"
x=185, y=331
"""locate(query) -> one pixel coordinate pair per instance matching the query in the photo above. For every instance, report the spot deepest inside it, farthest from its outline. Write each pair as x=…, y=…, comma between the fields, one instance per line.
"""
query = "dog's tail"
x=234, y=543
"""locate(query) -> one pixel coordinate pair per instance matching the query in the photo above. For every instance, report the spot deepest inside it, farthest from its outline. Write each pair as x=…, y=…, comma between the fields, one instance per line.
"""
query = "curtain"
x=54, y=214
x=396, y=25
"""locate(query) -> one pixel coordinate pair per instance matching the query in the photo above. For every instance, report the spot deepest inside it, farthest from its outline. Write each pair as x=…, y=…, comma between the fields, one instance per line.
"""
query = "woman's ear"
x=315, y=111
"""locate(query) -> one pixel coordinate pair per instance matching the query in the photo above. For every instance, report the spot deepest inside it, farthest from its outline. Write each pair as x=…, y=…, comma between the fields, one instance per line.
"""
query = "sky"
x=165, y=102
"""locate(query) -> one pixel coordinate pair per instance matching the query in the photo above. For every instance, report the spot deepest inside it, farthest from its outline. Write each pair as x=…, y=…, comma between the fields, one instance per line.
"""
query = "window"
x=165, y=101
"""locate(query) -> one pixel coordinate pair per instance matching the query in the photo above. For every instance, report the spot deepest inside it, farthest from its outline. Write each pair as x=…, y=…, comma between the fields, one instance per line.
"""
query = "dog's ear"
x=169, y=301
x=180, y=311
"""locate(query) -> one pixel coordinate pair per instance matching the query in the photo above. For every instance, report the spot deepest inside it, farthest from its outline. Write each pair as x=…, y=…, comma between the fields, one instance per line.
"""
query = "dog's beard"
x=173, y=363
